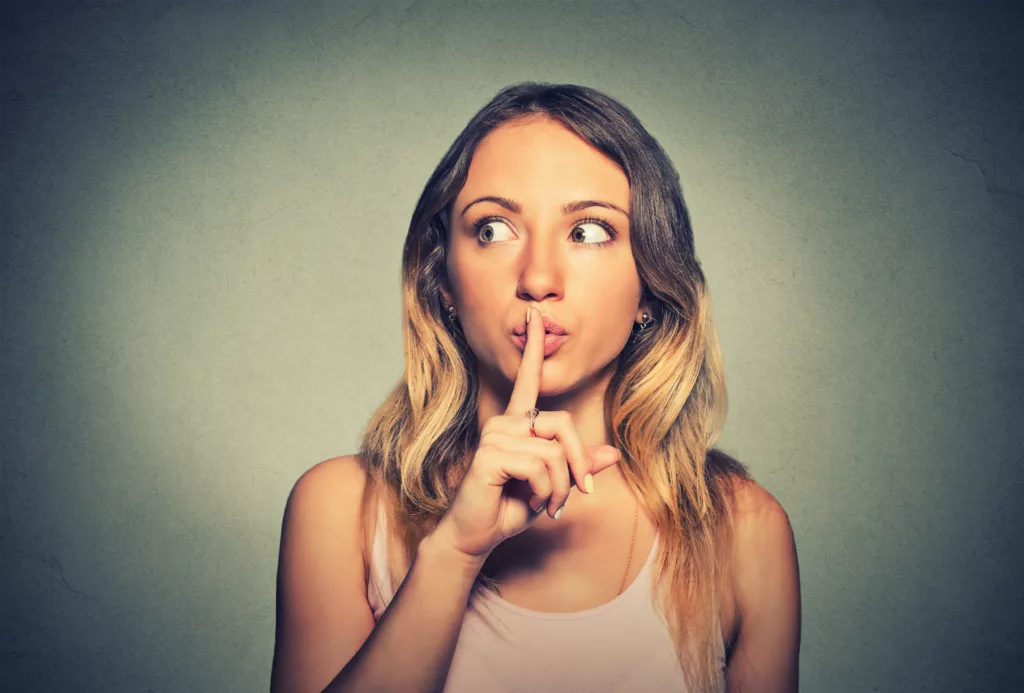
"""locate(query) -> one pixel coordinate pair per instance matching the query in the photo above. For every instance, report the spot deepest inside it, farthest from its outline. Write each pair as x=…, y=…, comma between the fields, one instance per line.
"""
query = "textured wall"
x=203, y=208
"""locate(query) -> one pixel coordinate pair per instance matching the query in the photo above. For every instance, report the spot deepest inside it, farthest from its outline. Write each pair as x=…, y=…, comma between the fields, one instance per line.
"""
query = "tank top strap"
x=379, y=590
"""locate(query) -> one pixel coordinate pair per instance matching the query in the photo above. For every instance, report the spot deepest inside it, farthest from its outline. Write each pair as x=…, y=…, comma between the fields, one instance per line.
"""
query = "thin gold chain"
x=629, y=561
x=632, y=543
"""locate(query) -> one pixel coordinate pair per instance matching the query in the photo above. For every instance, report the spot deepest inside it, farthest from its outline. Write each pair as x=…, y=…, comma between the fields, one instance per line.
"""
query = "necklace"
x=629, y=561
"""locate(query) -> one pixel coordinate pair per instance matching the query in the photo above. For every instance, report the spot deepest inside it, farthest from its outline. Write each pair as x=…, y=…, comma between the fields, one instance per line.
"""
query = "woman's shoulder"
x=331, y=494
x=335, y=469
x=761, y=530
x=324, y=613
x=323, y=482
x=751, y=504
x=764, y=561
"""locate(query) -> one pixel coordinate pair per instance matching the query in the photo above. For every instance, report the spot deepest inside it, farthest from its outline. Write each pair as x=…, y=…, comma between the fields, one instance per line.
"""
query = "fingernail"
x=559, y=511
x=540, y=505
x=527, y=315
x=588, y=483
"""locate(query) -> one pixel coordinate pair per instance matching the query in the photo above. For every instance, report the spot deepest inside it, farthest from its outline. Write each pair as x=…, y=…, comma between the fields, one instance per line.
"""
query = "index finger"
x=527, y=385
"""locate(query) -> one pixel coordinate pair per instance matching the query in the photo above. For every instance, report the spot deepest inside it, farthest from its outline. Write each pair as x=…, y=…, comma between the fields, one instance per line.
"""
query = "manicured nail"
x=539, y=507
x=588, y=483
x=559, y=511
x=527, y=315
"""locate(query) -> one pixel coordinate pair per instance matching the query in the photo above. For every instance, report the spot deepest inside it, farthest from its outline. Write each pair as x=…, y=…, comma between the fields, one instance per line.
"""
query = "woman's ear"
x=644, y=307
x=647, y=305
x=446, y=295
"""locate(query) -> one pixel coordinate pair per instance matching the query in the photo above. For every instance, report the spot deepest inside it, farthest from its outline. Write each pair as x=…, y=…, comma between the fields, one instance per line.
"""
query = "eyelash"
x=481, y=223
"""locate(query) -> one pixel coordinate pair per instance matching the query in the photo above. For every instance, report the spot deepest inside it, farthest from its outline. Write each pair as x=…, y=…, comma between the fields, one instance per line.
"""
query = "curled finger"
x=559, y=425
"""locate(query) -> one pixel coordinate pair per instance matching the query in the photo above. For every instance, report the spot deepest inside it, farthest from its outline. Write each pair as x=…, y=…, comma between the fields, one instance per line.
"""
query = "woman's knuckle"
x=554, y=451
x=494, y=423
x=491, y=435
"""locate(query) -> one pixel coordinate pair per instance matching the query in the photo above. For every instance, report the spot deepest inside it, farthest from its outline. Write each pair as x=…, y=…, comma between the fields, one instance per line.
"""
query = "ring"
x=532, y=413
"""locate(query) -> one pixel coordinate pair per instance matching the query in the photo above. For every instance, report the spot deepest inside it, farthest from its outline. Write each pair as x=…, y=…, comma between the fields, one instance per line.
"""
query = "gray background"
x=203, y=210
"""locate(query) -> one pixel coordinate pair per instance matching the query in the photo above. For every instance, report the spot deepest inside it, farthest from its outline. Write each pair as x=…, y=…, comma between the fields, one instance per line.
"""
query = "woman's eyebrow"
x=567, y=208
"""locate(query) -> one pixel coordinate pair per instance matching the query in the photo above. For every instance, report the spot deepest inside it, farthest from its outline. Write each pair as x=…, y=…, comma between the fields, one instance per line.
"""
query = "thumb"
x=602, y=457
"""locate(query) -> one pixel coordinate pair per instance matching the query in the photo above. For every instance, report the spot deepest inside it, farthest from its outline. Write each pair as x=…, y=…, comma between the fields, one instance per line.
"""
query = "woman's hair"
x=666, y=402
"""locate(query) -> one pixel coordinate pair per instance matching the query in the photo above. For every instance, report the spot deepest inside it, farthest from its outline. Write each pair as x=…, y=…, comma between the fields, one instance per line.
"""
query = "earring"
x=641, y=327
x=451, y=312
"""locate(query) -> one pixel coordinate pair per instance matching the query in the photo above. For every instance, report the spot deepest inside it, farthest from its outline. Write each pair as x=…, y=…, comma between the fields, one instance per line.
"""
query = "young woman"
x=541, y=486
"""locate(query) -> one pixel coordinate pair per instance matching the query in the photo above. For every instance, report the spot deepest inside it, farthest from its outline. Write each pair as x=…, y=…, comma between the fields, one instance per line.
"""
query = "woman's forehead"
x=539, y=159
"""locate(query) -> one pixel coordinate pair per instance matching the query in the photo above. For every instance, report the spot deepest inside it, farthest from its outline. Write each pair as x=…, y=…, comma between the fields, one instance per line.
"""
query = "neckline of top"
x=491, y=596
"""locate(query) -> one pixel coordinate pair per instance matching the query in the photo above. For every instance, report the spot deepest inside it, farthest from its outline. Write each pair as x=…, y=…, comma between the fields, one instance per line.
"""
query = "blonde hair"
x=666, y=402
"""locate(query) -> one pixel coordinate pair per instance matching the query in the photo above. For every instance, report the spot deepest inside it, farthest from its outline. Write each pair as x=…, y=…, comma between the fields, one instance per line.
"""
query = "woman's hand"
x=514, y=476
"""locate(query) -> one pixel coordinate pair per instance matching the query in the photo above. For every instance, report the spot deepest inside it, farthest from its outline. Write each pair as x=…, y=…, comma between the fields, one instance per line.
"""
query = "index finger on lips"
x=527, y=385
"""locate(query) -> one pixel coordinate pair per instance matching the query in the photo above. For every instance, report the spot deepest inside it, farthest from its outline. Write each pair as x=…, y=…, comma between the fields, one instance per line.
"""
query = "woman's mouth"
x=552, y=342
x=554, y=335
x=550, y=325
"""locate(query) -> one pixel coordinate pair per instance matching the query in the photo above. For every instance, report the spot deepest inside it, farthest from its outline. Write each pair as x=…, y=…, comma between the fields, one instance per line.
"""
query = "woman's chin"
x=555, y=378
x=559, y=379
x=553, y=387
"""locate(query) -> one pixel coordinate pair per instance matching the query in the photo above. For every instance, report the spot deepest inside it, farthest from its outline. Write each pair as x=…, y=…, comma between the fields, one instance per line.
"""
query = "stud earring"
x=451, y=312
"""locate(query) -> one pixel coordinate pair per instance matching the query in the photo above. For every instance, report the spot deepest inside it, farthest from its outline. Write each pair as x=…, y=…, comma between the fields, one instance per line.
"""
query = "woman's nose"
x=541, y=273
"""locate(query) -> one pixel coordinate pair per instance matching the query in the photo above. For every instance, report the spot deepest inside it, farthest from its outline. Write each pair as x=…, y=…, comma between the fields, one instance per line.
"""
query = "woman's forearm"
x=411, y=647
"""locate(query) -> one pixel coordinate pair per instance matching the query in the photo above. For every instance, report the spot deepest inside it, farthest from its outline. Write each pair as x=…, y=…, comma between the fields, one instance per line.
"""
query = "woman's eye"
x=492, y=230
x=581, y=232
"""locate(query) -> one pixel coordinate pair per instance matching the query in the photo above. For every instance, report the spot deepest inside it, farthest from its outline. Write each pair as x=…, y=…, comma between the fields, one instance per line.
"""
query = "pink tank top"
x=620, y=646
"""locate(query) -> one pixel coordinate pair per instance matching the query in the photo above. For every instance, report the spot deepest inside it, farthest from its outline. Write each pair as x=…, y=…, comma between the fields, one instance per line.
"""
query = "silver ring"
x=532, y=413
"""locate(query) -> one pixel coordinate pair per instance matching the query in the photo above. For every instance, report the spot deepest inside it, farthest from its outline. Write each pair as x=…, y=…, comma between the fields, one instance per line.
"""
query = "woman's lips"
x=552, y=342
x=550, y=325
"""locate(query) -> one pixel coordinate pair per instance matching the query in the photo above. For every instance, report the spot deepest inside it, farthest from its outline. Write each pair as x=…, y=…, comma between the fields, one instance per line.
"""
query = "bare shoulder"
x=751, y=501
x=329, y=495
x=344, y=474
x=766, y=580
x=323, y=616
x=761, y=528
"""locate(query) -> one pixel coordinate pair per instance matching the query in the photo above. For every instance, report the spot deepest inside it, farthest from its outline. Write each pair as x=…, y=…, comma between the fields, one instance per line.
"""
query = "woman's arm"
x=767, y=585
x=326, y=638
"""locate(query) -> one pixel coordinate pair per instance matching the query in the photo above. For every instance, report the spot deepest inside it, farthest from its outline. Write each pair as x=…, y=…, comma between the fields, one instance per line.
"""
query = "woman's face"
x=542, y=220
